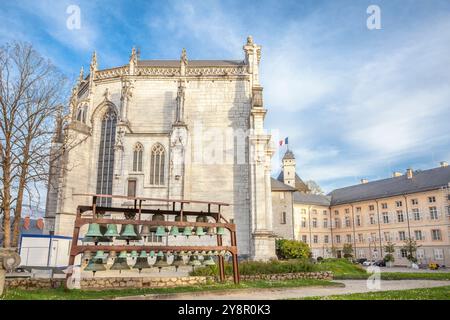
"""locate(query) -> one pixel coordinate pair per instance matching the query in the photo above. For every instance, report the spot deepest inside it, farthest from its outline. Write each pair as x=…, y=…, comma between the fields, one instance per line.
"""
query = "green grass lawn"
x=61, y=294
x=438, y=293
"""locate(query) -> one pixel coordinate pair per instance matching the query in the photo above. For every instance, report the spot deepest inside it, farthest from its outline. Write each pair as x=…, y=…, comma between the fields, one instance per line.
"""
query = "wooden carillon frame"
x=178, y=209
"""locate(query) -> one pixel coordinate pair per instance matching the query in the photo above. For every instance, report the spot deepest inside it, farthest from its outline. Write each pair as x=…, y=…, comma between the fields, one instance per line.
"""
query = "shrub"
x=292, y=249
x=259, y=267
x=389, y=258
x=319, y=259
x=348, y=250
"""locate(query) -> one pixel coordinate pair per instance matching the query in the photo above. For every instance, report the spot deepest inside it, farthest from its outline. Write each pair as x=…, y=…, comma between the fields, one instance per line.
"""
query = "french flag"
x=285, y=141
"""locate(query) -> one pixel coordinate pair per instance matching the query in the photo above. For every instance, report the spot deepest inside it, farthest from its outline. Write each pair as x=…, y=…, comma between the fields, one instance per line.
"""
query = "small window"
x=398, y=203
x=315, y=239
x=385, y=217
x=325, y=239
x=414, y=202
x=372, y=219
x=314, y=223
x=282, y=195
x=283, y=217
x=347, y=210
x=325, y=223
x=304, y=238
x=325, y=212
x=384, y=205
x=360, y=237
x=387, y=236
x=336, y=212
x=338, y=239
x=303, y=222
x=347, y=222
x=401, y=235
x=436, y=234
x=416, y=214
x=349, y=238
x=404, y=253
x=418, y=234
x=433, y=213
x=314, y=211
x=432, y=199
x=438, y=254
x=400, y=217
x=371, y=207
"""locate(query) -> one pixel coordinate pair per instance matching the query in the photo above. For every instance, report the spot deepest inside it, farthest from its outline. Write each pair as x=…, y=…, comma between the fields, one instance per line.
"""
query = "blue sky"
x=355, y=103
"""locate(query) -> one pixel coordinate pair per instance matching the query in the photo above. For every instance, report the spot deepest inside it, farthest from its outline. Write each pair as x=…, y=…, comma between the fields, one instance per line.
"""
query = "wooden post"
x=76, y=234
x=236, y=276
x=221, y=261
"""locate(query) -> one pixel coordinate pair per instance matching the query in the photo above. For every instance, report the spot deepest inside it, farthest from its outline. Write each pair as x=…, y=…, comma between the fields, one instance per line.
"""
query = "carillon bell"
x=160, y=231
x=87, y=255
x=120, y=263
x=174, y=231
x=128, y=233
x=194, y=261
x=151, y=254
x=95, y=265
x=134, y=254
x=178, y=261
x=93, y=231
x=142, y=262
x=145, y=232
x=220, y=231
x=199, y=231
x=187, y=231
x=100, y=255
x=158, y=217
x=161, y=261
x=210, y=231
x=112, y=231
x=178, y=219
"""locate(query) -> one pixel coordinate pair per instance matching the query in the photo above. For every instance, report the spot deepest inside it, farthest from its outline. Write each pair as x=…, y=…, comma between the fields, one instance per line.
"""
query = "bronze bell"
x=178, y=219
x=145, y=232
x=141, y=263
x=95, y=265
x=178, y=261
x=161, y=261
x=120, y=264
x=158, y=217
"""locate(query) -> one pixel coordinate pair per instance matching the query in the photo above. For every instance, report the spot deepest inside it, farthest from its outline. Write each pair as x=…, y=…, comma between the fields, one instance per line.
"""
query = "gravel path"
x=351, y=286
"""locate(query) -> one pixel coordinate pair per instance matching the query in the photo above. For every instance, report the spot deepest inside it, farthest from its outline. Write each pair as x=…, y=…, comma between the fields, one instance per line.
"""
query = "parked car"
x=367, y=263
x=361, y=260
x=379, y=263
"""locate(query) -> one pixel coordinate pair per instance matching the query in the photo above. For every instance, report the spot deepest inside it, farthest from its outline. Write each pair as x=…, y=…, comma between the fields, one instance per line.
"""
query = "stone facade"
x=326, y=223
x=208, y=118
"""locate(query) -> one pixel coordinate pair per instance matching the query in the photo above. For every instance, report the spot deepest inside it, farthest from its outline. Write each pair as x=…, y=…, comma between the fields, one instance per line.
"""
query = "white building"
x=174, y=129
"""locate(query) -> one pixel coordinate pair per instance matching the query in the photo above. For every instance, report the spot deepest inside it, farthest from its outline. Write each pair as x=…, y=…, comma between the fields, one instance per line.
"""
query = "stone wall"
x=324, y=275
x=153, y=282
x=109, y=283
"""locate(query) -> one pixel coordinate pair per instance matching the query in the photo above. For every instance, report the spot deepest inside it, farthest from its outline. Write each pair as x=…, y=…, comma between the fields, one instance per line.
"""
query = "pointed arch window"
x=137, y=157
x=157, y=165
x=82, y=113
x=105, y=169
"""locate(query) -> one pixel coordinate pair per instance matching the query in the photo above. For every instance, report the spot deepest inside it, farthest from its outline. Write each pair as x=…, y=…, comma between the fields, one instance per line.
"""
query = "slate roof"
x=191, y=63
x=280, y=186
x=299, y=184
x=289, y=155
x=308, y=198
x=421, y=181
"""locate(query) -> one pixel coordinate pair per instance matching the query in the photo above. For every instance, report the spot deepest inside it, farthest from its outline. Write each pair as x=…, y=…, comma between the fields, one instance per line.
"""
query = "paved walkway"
x=351, y=286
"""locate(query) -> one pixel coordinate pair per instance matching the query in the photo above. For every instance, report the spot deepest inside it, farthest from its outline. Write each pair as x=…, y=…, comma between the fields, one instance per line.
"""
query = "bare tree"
x=30, y=98
x=314, y=187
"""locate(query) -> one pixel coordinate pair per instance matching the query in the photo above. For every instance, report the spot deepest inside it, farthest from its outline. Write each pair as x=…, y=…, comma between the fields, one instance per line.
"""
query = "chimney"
x=444, y=164
x=409, y=173
x=364, y=181
x=396, y=174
